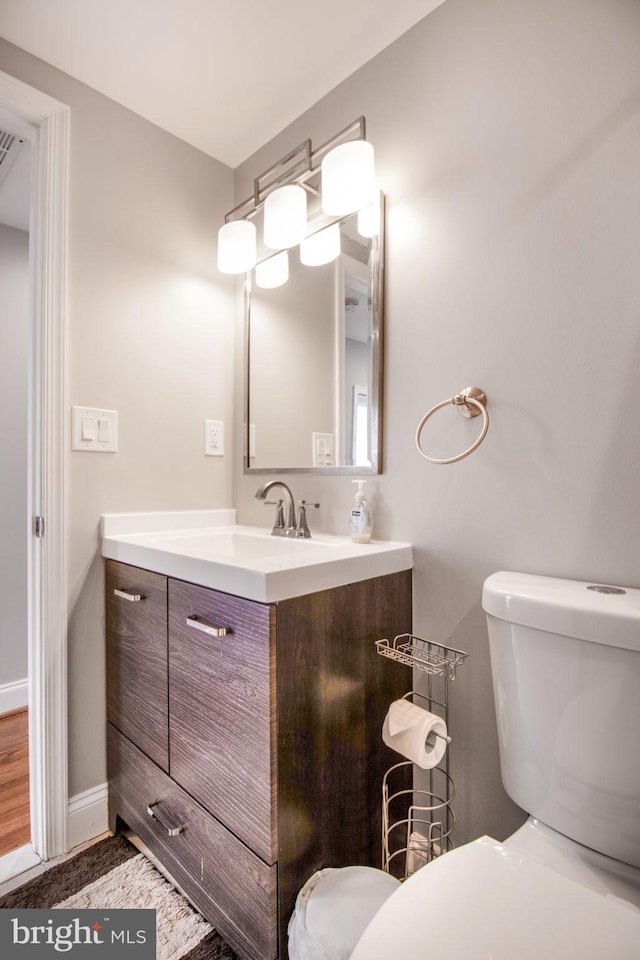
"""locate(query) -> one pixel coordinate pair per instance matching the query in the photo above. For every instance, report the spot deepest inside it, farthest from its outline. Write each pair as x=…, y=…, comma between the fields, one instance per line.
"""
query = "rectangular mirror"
x=313, y=362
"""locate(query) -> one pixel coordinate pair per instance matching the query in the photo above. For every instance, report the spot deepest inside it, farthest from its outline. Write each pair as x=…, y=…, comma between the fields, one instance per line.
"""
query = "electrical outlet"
x=214, y=438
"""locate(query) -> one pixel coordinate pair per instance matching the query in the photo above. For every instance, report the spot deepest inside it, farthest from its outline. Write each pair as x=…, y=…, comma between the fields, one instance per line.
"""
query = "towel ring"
x=471, y=403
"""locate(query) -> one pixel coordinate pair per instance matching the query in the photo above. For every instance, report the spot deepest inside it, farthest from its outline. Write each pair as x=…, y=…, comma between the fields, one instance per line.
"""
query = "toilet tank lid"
x=566, y=607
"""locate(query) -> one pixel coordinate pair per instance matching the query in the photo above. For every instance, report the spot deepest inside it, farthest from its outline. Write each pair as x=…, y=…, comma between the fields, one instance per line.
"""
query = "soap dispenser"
x=361, y=522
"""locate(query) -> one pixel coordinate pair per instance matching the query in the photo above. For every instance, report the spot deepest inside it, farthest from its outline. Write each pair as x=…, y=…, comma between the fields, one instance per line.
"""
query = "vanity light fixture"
x=274, y=271
x=321, y=247
x=369, y=220
x=348, y=178
x=339, y=176
x=285, y=217
x=237, y=246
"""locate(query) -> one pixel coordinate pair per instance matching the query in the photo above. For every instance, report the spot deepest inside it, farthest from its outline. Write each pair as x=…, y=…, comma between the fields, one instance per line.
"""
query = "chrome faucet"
x=285, y=524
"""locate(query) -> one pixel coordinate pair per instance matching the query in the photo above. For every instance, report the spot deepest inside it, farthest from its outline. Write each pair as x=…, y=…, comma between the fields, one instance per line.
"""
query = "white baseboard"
x=14, y=695
x=87, y=815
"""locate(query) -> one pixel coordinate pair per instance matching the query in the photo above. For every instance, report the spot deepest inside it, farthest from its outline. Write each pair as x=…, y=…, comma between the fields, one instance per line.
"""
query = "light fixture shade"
x=237, y=246
x=321, y=247
x=274, y=271
x=348, y=178
x=369, y=220
x=285, y=217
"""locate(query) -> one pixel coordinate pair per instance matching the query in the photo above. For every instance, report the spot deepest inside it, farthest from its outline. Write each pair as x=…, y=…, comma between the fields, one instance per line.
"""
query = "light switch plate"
x=94, y=430
x=214, y=438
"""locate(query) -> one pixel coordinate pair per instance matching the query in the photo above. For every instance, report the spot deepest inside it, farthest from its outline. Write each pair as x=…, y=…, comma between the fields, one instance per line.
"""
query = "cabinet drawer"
x=137, y=698
x=231, y=886
x=222, y=709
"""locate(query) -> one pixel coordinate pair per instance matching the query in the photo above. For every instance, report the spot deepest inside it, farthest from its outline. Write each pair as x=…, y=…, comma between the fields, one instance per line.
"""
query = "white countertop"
x=209, y=548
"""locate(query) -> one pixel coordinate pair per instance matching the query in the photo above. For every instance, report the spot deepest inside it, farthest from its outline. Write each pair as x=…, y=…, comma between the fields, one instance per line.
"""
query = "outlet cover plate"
x=214, y=438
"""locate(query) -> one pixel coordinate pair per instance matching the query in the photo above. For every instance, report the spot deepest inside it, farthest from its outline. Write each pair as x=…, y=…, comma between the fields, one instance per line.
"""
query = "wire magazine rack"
x=417, y=823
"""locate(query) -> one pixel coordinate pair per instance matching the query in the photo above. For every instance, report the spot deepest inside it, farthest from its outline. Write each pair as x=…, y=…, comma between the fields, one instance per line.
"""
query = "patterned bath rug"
x=112, y=874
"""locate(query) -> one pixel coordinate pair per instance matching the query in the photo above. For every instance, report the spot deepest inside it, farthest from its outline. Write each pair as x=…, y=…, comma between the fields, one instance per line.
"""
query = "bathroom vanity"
x=244, y=742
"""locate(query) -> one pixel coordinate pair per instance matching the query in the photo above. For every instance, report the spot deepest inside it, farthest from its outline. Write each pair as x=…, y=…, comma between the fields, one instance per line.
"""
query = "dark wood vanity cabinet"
x=244, y=743
x=222, y=709
x=137, y=667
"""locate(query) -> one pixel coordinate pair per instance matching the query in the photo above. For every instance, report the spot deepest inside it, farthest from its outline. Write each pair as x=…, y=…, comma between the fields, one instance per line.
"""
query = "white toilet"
x=565, y=659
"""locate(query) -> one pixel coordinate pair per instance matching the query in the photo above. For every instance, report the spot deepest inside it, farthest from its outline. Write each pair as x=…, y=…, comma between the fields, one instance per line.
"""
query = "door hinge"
x=38, y=526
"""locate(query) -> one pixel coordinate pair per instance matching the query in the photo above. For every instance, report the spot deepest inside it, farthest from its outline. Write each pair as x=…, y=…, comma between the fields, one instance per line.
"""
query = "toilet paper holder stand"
x=417, y=821
x=416, y=693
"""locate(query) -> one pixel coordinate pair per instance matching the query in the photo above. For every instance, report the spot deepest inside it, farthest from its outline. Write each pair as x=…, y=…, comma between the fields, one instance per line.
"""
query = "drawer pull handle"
x=153, y=813
x=128, y=595
x=197, y=623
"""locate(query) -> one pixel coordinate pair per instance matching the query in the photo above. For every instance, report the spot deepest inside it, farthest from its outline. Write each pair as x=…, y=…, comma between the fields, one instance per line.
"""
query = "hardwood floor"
x=15, y=828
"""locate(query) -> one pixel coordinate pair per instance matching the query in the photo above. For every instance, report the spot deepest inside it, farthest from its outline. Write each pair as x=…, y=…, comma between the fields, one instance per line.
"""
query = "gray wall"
x=149, y=335
x=507, y=138
x=14, y=329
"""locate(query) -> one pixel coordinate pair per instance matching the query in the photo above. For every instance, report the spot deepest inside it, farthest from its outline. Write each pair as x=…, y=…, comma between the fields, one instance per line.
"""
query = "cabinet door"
x=222, y=709
x=228, y=883
x=137, y=698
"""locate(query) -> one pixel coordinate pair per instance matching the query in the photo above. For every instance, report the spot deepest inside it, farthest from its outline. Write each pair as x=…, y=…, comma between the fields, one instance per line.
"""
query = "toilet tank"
x=565, y=660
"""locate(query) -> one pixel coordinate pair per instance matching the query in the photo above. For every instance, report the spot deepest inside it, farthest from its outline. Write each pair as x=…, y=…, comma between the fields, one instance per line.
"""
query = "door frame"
x=47, y=614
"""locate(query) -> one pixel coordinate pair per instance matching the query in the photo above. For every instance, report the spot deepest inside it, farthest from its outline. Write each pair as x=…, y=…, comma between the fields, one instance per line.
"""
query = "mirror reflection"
x=313, y=363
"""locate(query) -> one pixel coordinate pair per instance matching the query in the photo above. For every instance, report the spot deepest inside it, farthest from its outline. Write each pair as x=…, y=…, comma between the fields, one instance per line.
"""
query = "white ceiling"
x=224, y=75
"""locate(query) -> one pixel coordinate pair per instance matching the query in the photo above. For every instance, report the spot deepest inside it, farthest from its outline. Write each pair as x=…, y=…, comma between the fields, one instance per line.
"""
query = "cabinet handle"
x=171, y=831
x=197, y=623
x=128, y=595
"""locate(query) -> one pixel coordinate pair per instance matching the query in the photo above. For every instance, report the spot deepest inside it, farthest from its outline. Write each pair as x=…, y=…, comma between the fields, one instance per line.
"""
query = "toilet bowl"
x=565, y=660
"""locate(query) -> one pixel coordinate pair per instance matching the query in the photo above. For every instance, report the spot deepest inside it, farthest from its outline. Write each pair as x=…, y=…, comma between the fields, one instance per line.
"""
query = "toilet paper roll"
x=410, y=731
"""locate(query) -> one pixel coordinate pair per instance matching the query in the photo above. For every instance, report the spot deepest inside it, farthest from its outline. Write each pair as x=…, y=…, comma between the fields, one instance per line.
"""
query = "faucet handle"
x=302, y=529
x=279, y=525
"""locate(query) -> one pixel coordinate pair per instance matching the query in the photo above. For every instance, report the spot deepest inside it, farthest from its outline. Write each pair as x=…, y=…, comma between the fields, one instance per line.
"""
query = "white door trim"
x=47, y=444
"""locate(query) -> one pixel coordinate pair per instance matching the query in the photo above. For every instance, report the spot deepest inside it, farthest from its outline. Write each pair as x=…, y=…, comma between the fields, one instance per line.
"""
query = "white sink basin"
x=204, y=547
x=242, y=545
